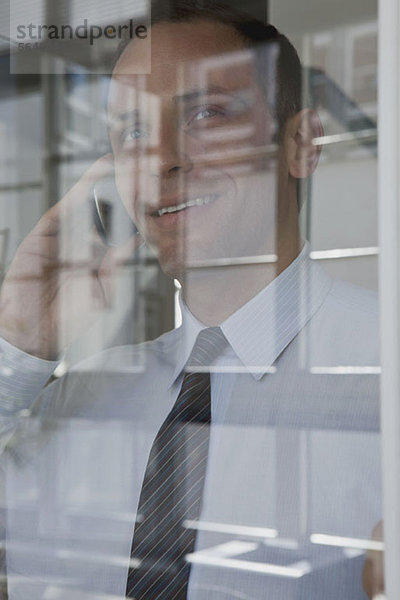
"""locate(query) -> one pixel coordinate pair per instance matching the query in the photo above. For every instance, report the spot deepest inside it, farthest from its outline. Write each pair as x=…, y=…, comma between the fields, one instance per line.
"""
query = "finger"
x=373, y=574
x=78, y=195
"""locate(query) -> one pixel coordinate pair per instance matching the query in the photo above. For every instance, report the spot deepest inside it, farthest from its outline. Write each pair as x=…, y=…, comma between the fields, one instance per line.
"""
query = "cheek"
x=240, y=147
x=127, y=182
x=137, y=176
x=258, y=195
x=122, y=184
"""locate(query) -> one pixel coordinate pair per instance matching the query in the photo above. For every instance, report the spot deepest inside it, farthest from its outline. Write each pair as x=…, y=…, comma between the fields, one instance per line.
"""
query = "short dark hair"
x=287, y=97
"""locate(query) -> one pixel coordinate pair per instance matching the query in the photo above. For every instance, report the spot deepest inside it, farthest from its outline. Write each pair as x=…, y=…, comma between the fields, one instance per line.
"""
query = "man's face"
x=191, y=143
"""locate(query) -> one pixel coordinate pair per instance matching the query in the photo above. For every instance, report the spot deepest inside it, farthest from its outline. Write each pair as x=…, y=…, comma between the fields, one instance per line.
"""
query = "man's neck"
x=214, y=294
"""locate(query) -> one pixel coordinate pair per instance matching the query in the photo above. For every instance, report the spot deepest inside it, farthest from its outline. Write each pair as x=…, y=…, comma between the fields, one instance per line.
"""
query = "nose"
x=173, y=156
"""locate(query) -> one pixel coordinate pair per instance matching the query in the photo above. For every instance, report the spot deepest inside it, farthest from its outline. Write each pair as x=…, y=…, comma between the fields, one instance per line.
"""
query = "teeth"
x=195, y=202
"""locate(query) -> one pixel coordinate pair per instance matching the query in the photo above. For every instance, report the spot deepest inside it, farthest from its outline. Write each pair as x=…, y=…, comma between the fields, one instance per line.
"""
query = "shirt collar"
x=261, y=329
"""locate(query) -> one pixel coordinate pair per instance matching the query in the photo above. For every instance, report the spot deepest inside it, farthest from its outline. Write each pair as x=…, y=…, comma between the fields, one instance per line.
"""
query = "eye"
x=134, y=133
x=205, y=114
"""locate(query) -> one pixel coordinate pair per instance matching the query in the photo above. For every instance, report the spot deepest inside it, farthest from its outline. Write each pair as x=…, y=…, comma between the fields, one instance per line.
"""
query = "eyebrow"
x=208, y=91
x=115, y=119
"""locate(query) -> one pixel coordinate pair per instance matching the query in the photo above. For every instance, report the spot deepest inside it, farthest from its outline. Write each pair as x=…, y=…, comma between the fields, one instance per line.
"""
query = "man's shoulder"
x=354, y=300
x=132, y=357
x=345, y=330
x=129, y=373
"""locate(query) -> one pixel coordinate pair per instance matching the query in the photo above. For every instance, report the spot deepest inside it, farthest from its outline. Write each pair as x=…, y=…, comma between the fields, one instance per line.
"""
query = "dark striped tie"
x=173, y=483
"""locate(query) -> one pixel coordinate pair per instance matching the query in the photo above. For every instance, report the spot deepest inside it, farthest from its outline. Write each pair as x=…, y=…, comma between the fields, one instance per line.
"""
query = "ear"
x=302, y=153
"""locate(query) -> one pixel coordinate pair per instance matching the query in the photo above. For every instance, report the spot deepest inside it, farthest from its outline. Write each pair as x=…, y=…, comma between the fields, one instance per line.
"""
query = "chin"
x=172, y=268
x=177, y=258
x=172, y=263
x=177, y=266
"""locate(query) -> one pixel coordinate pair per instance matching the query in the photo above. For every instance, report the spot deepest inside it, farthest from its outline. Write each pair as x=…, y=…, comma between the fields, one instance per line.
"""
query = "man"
x=208, y=151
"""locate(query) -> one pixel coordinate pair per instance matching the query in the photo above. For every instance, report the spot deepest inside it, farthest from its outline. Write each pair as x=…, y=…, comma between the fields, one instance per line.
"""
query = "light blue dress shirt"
x=292, y=490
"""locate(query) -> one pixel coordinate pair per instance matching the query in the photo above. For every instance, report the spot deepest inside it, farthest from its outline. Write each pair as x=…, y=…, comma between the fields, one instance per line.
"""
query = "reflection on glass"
x=189, y=368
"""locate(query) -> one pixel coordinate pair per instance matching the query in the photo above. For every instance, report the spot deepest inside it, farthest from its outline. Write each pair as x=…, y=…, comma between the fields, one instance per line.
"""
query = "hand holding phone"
x=112, y=222
x=63, y=275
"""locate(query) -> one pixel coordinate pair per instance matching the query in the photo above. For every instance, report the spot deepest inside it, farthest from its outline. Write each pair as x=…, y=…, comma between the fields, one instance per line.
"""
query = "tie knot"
x=208, y=346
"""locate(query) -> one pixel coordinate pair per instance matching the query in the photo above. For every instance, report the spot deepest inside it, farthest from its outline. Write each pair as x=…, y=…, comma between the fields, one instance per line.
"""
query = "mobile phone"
x=110, y=218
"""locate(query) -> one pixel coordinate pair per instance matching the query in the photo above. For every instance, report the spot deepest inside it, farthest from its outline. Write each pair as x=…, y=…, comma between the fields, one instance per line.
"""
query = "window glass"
x=189, y=318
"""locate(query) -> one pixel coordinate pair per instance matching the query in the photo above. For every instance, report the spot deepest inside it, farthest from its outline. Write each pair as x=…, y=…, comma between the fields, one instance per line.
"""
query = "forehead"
x=184, y=56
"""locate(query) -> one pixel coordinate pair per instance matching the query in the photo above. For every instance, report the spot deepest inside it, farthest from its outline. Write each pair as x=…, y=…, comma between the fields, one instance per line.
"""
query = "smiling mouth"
x=198, y=201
